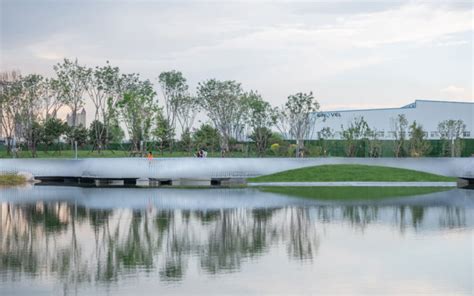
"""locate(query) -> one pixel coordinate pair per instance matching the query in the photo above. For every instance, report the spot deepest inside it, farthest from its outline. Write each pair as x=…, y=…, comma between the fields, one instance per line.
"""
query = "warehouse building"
x=425, y=112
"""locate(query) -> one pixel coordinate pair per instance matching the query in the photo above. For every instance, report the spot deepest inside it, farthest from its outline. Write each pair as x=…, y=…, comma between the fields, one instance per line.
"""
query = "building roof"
x=409, y=106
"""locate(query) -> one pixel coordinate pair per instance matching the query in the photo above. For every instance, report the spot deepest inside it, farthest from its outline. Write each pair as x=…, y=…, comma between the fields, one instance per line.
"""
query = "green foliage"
x=163, y=132
x=356, y=136
x=291, y=151
x=186, y=141
x=179, y=105
x=72, y=80
x=261, y=118
x=11, y=180
x=275, y=149
x=53, y=129
x=138, y=108
x=105, y=90
x=399, y=126
x=79, y=134
x=329, y=173
x=261, y=137
x=418, y=144
x=316, y=151
x=175, y=92
x=116, y=133
x=224, y=105
x=451, y=132
x=276, y=138
x=97, y=134
x=206, y=137
x=296, y=119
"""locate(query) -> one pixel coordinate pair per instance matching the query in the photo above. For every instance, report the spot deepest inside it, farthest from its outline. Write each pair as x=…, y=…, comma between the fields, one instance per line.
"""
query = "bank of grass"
x=11, y=180
x=352, y=193
x=109, y=154
x=351, y=172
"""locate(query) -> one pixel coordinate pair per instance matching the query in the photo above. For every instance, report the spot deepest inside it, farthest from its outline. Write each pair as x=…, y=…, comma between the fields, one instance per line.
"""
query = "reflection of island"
x=75, y=243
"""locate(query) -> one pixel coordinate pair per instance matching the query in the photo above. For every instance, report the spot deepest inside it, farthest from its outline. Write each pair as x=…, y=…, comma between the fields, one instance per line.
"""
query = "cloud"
x=276, y=47
x=452, y=89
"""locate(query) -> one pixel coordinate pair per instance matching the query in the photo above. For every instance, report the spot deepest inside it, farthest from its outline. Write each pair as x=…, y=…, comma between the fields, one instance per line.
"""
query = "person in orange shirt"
x=149, y=157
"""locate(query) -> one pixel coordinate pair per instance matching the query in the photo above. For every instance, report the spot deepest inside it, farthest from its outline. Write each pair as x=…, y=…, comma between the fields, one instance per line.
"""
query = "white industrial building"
x=425, y=112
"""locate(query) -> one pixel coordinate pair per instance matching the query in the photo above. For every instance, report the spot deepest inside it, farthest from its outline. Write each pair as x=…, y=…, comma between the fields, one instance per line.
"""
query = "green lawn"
x=11, y=180
x=109, y=154
x=344, y=172
x=352, y=193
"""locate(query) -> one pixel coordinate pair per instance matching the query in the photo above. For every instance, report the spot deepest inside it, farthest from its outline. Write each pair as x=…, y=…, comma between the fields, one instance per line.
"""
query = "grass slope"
x=352, y=193
x=109, y=154
x=350, y=172
x=11, y=180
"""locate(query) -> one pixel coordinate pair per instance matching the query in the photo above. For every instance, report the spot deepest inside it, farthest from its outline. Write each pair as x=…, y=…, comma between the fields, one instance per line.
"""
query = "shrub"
x=275, y=148
x=316, y=151
x=292, y=150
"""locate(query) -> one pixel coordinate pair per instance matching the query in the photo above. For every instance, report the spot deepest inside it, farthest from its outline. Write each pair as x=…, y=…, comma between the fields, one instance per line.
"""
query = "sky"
x=350, y=54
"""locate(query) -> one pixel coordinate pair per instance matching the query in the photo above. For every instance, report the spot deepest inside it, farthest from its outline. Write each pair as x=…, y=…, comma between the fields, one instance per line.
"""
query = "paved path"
x=210, y=168
x=356, y=184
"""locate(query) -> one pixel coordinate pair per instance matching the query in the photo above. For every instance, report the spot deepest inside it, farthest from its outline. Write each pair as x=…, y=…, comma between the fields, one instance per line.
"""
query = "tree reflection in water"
x=77, y=244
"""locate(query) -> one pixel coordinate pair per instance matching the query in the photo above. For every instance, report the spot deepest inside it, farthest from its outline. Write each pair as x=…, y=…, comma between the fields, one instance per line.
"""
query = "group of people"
x=201, y=153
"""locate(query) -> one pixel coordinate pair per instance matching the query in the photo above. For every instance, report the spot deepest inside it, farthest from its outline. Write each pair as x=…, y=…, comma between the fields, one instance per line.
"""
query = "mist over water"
x=102, y=241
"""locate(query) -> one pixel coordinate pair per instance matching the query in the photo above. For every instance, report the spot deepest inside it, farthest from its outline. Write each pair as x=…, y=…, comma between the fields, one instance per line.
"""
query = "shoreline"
x=352, y=184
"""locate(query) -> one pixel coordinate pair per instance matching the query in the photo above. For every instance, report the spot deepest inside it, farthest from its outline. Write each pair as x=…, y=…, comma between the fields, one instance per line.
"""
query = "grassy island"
x=12, y=180
x=351, y=172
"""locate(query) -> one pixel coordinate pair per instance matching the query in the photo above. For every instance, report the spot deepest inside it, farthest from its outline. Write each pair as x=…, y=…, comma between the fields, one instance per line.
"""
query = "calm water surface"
x=102, y=241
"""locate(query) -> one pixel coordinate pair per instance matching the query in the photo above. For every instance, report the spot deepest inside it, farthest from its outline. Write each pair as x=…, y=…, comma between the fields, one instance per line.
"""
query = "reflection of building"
x=80, y=118
x=426, y=113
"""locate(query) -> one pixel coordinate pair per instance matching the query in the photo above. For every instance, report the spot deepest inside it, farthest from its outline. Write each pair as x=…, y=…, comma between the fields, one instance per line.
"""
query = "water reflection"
x=86, y=236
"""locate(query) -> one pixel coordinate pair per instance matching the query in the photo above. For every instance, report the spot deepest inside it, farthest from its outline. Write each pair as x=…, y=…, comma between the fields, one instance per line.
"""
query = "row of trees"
x=409, y=139
x=127, y=100
x=29, y=107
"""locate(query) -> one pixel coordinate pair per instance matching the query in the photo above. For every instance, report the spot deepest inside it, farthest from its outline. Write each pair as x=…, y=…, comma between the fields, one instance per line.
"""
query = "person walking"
x=149, y=157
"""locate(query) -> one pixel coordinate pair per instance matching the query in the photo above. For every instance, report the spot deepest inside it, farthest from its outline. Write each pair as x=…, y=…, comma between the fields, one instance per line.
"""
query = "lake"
x=128, y=241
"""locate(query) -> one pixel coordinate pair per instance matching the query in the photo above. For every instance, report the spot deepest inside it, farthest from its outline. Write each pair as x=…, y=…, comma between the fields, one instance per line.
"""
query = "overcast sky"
x=351, y=54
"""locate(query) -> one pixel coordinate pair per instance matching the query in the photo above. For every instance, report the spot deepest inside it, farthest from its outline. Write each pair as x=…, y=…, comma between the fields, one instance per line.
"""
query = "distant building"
x=80, y=118
x=425, y=112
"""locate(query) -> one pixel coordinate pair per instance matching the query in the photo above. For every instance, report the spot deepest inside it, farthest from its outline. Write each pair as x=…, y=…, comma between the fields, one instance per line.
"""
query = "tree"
x=261, y=117
x=222, y=100
x=177, y=100
x=53, y=98
x=374, y=144
x=96, y=135
x=137, y=109
x=261, y=136
x=37, y=136
x=77, y=134
x=399, y=126
x=186, y=112
x=206, y=137
x=325, y=134
x=104, y=88
x=163, y=132
x=10, y=92
x=115, y=133
x=28, y=113
x=53, y=129
x=355, y=136
x=451, y=132
x=186, y=141
x=72, y=79
x=418, y=144
x=296, y=119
